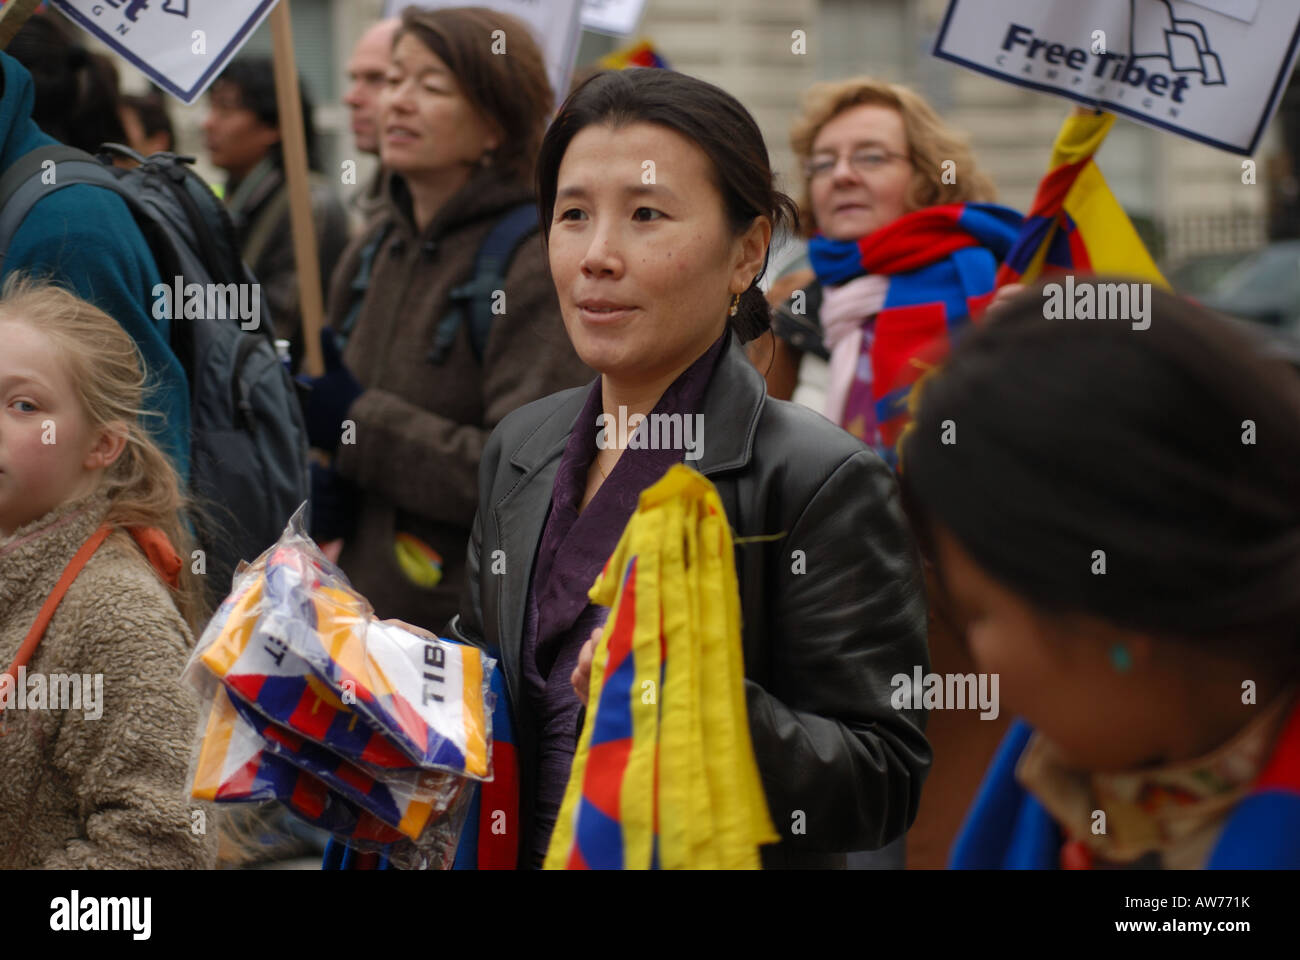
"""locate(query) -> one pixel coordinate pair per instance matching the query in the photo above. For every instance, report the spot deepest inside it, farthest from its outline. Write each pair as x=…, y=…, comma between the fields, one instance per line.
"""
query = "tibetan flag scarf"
x=664, y=775
x=489, y=839
x=894, y=298
x=1007, y=828
x=1076, y=225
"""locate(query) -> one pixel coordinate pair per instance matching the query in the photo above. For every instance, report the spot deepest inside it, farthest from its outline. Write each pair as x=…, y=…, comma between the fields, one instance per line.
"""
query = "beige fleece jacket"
x=111, y=792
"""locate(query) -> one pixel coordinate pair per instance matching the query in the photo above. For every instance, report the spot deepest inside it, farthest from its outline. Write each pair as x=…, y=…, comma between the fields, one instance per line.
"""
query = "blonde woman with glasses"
x=903, y=245
x=903, y=242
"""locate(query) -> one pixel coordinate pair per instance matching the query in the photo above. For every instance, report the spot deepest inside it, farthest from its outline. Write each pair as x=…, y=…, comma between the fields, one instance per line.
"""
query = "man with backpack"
x=85, y=238
x=242, y=134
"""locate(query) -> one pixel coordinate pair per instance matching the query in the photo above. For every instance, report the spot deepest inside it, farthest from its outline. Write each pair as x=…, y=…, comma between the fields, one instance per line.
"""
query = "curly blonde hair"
x=930, y=142
x=105, y=367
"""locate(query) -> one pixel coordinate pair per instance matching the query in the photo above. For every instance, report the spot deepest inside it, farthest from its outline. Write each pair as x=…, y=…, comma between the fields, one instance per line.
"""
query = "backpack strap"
x=472, y=301
x=361, y=282
x=263, y=226
x=70, y=572
x=259, y=234
x=22, y=184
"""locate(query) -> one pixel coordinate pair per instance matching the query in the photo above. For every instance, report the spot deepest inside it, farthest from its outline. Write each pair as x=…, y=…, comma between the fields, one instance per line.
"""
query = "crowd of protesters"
x=445, y=433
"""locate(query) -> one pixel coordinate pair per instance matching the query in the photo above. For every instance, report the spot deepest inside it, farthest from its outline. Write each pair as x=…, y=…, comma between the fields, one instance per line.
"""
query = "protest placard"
x=619, y=17
x=1211, y=70
x=181, y=45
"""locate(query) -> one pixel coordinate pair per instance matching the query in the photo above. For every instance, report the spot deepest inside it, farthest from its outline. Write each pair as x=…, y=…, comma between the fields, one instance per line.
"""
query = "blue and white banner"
x=181, y=45
x=1211, y=70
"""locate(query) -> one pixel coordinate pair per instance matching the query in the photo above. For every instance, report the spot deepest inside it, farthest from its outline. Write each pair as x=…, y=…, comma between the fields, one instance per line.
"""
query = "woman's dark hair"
x=512, y=91
x=1175, y=449
x=153, y=115
x=706, y=115
x=76, y=91
x=254, y=78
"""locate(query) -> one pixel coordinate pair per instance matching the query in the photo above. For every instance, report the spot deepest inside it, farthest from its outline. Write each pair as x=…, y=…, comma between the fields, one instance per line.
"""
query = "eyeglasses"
x=862, y=161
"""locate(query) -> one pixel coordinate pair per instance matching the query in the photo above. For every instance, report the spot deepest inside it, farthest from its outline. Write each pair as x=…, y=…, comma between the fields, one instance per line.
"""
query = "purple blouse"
x=573, y=550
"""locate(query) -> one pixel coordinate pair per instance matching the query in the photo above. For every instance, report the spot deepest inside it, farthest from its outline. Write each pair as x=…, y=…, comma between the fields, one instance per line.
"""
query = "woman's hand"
x=581, y=677
x=1001, y=296
x=329, y=397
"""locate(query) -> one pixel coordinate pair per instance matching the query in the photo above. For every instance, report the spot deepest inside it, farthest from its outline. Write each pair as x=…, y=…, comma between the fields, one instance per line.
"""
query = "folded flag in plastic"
x=235, y=767
x=405, y=799
x=307, y=655
x=425, y=694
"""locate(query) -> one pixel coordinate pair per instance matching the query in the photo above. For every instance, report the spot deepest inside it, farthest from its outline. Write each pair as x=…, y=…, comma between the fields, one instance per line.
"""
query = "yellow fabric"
x=417, y=560
x=1080, y=137
x=710, y=807
x=1113, y=244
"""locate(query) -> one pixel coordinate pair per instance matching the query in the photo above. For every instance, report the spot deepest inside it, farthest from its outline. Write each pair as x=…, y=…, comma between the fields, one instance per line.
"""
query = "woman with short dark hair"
x=1115, y=513
x=658, y=203
x=447, y=310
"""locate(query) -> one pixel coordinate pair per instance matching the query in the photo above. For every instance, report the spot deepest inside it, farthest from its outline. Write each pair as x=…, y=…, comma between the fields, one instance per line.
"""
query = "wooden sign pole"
x=12, y=17
x=294, y=143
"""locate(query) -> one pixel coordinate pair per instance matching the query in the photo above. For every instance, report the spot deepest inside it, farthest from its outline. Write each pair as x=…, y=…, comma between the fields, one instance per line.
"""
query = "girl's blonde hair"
x=930, y=142
x=107, y=372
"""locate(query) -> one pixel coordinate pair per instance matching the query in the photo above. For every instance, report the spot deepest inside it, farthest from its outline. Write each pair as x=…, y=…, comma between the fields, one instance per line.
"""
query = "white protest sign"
x=619, y=17
x=555, y=26
x=1241, y=9
x=181, y=45
x=1211, y=70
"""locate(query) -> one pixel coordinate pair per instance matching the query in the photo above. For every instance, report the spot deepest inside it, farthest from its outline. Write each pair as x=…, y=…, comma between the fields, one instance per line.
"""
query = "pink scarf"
x=846, y=312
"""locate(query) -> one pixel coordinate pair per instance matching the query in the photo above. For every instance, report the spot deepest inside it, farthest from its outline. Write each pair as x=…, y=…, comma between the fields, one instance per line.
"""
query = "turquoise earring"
x=1120, y=658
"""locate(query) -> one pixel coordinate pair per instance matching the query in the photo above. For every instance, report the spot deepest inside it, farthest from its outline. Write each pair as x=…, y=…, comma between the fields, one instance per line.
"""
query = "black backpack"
x=248, y=450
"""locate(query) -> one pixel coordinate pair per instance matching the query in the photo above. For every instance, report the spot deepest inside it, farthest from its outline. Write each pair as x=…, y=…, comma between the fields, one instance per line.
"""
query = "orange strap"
x=159, y=552
x=78, y=561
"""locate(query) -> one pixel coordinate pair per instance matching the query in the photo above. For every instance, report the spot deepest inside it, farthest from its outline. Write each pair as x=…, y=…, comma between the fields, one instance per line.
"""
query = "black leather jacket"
x=831, y=611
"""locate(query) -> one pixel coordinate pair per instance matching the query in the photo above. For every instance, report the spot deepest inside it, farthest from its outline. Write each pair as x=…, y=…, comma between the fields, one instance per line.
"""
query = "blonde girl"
x=94, y=725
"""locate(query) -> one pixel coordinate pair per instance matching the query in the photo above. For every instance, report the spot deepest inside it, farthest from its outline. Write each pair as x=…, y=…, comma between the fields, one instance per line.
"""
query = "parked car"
x=1261, y=290
x=1198, y=275
x=1264, y=287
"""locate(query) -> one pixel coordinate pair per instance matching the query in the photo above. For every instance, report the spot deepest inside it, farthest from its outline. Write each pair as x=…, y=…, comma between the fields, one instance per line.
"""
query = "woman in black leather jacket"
x=658, y=205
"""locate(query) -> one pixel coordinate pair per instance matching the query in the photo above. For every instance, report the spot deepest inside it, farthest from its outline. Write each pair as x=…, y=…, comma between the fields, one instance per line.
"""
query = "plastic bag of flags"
x=362, y=728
